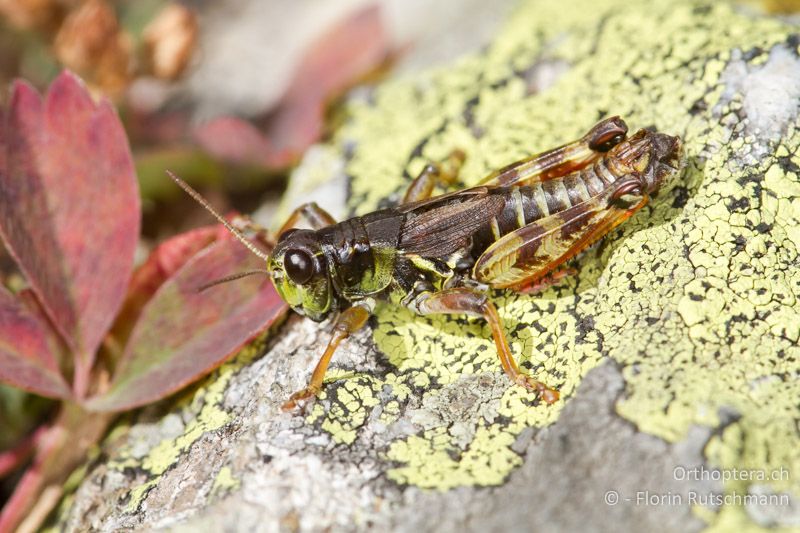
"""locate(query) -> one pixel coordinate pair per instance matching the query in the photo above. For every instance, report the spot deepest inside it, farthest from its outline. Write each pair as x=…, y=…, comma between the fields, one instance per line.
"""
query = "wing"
x=562, y=160
x=531, y=252
x=445, y=227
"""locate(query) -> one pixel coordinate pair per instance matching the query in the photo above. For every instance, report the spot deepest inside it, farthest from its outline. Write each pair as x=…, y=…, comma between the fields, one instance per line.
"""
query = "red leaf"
x=69, y=209
x=167, y=258
x=237, y=141
x=28, y=351
x=59, y=450
x=3, y=140
x=12, y=459
x=337, y=60
x=183, y=334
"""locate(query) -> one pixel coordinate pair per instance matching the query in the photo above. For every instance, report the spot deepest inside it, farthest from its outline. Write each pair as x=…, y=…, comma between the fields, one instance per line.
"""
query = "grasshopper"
x=442, y=254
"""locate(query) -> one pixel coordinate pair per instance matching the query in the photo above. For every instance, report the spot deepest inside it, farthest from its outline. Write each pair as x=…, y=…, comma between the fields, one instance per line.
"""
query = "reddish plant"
x=89, y=330
x=350, y=51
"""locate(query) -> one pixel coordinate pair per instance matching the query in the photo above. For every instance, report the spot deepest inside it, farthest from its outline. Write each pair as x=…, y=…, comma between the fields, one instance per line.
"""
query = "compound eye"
x=299, y=266
x=604, y=144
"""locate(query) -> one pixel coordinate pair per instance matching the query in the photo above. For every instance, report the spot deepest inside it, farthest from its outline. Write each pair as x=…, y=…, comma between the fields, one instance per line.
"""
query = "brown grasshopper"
x=441, y=255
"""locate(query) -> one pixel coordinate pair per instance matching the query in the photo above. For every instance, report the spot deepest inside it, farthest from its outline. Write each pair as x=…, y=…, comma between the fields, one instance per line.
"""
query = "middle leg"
x=310, y=212
x=461, y=300
x=314, y=215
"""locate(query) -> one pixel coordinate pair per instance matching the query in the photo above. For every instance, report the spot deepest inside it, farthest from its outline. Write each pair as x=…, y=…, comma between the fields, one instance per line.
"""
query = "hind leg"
x=562, y=160
x=545, y=282
x=465, y=301
x=442, y=174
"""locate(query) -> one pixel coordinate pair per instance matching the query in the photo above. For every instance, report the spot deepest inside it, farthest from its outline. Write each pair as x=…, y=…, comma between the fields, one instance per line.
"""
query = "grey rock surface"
x=264, y=470
x=675, y=347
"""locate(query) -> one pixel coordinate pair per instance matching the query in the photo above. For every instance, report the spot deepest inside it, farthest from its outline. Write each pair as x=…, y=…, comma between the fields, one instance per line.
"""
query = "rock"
x=675, y=348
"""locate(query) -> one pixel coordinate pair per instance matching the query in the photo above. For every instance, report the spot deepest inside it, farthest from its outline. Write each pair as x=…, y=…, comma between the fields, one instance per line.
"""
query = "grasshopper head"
x=652, y=156
x=299, y=272
x=667, y=153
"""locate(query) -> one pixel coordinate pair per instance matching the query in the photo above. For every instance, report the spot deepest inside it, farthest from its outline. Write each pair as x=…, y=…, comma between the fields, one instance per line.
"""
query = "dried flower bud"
x=86, y=34
x=786, y=7
x=90, y=42
x=31, y=14
x=169, y=41
x=114, y=70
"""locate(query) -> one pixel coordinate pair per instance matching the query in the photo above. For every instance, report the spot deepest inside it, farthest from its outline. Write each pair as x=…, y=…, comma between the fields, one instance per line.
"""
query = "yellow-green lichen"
x=354, y=398
x=432, y=460
x=225, y=481
x=210, y=416
x=695, y=297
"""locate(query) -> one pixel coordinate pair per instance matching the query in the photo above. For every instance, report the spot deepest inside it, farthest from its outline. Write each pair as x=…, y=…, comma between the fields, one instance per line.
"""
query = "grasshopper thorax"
x=299, y=271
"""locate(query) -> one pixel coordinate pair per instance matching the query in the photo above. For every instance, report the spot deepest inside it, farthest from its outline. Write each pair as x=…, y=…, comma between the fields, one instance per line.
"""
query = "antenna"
x=235, y=232
x=232, y=277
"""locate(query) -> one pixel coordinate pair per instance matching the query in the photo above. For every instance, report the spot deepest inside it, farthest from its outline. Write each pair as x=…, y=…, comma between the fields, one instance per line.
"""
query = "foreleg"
x=351, y=320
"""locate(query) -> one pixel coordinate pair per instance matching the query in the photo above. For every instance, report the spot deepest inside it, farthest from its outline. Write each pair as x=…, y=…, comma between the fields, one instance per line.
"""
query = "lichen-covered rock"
x=693, y=303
